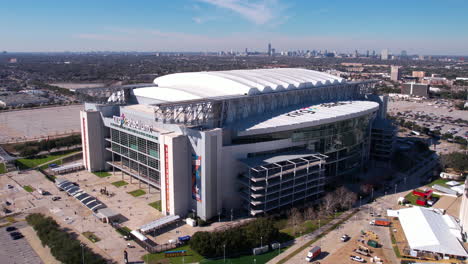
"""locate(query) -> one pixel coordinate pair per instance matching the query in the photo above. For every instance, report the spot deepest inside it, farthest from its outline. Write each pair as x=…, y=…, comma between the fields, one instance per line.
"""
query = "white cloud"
x=203, y=19
x=259, y=12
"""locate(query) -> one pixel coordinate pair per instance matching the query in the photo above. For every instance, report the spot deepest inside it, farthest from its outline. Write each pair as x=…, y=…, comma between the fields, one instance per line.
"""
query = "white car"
x=345, y=238
x=357, y=258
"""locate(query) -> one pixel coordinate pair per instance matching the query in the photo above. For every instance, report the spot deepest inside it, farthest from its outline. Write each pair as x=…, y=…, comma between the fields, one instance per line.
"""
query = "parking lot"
x=433, y=114
x=39, y=123
x=16, y=251
x=70, y=213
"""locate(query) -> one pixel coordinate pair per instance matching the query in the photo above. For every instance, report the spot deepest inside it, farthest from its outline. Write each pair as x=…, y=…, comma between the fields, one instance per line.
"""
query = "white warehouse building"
x=257, y=140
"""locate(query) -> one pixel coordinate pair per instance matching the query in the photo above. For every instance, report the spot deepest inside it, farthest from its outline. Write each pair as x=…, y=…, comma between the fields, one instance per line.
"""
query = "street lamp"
x=261, y=241
x=82, y=253
x=372, y=194
x=232, y=214
x=395, y=187
x=224, y=253
x=360, y=198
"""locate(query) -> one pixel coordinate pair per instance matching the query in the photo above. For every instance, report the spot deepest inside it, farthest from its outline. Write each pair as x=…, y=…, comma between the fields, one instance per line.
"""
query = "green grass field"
x=119, y=183
x=28, y=188
x=2, y=168
x=137, y=193
x=45, y=166
x=91, y=236
x=411, y=198
x=156, y=205
x=34, y=162
x=305, y=227
x=441, y=182
x=123, y=230
x=102, y=174
x=260, y=259
x=192, y=257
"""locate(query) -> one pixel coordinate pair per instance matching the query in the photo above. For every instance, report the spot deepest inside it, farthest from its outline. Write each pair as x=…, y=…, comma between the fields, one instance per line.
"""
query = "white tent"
x=428, y=230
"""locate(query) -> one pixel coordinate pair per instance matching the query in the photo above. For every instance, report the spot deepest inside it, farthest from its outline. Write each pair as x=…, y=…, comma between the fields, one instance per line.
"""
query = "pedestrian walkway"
x=303, y=240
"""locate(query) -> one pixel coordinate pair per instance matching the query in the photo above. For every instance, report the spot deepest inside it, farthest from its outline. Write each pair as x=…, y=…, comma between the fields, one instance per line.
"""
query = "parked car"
x=345, y=238
x=357, y=258
x=17, y=237
x=9, y=186
x=10, y=228
x=15, y=233
x=56, y=198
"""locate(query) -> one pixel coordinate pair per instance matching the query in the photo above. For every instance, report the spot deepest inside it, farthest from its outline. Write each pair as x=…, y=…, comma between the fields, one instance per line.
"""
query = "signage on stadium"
x=166, y=177
x=124, y=121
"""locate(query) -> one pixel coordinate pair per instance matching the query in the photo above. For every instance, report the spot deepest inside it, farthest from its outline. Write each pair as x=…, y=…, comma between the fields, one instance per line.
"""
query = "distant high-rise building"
x=395, y=73
x=373, y=53
x=421, y=57
x=404, y=53
x=384, y=54
x=356, y=54
x=273, y=51
x=269, y=49
x=246, y=51
x=367, y=53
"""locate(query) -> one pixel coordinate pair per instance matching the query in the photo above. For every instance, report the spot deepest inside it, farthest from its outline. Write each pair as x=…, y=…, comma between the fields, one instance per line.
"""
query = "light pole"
x=224, y=253
x=360, y=199
x=232, y=214
x=372, y=194
x=395, y=187
x=261, y=241
x=219, y=216
x=82, y=253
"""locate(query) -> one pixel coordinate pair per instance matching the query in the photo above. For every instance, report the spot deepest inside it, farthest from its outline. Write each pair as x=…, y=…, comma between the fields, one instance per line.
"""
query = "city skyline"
x=215, y=25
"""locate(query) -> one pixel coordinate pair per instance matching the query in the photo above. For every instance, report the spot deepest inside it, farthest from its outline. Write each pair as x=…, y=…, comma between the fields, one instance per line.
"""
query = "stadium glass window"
x=133, y=155
x=142, y=145
x=132, y=142
x=123, y=138
x=142, y=158
x=153, y=149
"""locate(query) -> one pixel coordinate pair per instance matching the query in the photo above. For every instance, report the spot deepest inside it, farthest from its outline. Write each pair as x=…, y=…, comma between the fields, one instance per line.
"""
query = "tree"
x=295, y=217
x=329, y=203
x=455, y=160
x=310, y=214
x=345, y=197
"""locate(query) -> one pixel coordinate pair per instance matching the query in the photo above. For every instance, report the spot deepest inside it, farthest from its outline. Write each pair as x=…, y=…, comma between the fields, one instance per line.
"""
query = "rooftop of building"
x=429, y=230
x=201, y=85
x=309, y=116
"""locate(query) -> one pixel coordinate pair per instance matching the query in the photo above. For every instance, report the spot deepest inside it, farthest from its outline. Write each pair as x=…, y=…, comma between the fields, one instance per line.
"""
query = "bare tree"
x=345, y=197
x=295, y=217
x=329, y=203
x=310, y=214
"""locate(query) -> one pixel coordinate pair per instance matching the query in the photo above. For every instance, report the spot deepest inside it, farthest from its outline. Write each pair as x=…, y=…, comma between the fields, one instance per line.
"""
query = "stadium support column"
x=93, y=142
x=174, y=174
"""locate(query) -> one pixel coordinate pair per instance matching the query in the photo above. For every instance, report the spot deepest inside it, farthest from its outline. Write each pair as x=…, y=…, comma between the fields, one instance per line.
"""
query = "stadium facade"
x=253, y=139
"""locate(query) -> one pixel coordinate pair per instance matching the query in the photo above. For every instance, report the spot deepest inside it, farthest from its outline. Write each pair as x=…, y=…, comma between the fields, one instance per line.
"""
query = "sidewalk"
x=301, y=241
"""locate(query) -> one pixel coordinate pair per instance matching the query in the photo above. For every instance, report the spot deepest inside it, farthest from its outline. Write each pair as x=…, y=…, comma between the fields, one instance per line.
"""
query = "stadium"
x=257, y=140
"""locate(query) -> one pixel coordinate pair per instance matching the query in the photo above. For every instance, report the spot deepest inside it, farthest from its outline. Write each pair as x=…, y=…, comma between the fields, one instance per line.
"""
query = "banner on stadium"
x=196, y=177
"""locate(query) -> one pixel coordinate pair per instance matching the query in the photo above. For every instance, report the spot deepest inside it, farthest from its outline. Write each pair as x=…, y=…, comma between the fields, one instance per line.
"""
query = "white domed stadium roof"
x=199, y=85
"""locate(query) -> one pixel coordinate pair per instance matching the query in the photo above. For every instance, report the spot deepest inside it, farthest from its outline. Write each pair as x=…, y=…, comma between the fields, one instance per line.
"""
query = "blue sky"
x=418, y=26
